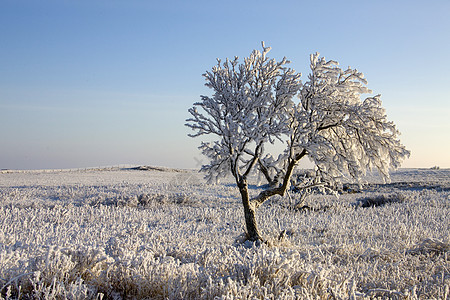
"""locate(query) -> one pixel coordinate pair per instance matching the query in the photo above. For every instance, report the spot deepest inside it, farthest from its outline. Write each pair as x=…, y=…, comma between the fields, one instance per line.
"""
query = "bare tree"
x=253, y=104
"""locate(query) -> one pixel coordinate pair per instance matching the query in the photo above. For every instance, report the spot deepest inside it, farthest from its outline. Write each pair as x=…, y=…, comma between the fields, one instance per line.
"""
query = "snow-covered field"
x=165, y=234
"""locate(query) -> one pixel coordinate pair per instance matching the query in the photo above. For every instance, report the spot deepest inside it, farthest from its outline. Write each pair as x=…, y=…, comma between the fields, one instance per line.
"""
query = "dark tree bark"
x=249, y=213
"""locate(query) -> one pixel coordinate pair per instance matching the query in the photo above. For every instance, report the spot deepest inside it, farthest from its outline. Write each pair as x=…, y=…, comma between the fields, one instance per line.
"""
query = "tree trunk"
x=249, y=214
x=251, y=206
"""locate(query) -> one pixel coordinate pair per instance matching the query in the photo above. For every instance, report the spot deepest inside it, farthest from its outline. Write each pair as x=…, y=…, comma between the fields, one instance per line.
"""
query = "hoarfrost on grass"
x=91, y=234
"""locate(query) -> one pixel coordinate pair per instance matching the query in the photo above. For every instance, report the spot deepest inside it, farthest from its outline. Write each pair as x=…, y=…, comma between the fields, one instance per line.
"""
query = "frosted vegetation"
x=166, y=234
x=262, y=102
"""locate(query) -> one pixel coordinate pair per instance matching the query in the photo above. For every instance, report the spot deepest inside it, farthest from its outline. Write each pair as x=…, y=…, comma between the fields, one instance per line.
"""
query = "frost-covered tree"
x=329, y=122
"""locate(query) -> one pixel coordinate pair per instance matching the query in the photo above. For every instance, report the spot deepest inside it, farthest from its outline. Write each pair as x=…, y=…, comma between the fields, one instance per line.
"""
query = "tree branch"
x=254, y=159
x=265, y=171
x=280, y=190
x=328, y=126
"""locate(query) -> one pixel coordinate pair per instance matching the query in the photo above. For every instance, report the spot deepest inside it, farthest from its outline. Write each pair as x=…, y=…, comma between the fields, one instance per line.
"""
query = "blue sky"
x=101, y=83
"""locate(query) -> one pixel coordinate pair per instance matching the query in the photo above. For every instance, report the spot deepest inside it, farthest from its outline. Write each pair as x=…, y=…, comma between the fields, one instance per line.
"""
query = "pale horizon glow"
x=104, y=83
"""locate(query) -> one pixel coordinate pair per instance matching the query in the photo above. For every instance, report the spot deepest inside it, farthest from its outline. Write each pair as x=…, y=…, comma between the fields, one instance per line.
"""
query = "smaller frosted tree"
x=253, y=105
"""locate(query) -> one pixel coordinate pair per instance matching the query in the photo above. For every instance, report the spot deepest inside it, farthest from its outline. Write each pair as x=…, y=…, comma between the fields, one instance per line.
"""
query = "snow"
x=164, y=233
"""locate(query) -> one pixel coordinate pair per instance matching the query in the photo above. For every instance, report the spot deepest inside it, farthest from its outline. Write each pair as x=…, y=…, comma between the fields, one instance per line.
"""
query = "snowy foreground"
x=164, y=234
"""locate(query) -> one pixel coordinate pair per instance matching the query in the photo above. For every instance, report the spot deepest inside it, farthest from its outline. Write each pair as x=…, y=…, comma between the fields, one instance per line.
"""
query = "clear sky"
x=101, y=83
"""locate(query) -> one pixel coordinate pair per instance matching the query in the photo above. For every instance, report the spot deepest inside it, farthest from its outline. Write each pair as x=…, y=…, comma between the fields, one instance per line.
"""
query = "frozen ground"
x=165, y=234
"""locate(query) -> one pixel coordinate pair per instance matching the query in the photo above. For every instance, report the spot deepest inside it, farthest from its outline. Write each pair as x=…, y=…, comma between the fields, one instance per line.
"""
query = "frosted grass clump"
x=119, y=234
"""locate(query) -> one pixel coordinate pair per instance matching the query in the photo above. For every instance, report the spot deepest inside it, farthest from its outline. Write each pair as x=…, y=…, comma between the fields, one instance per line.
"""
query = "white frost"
x=155, y=234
